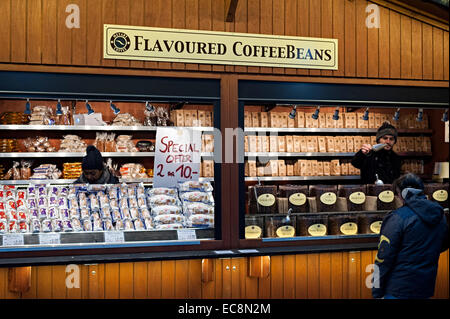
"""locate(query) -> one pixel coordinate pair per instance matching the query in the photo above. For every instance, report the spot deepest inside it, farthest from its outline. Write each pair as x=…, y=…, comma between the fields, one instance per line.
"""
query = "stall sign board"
x=177, y=156
x=213, y=47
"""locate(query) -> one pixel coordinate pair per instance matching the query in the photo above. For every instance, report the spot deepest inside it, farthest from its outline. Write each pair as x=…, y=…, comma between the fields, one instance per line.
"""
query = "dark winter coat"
x=386, y=164
x=411, y=240
x=105, y=178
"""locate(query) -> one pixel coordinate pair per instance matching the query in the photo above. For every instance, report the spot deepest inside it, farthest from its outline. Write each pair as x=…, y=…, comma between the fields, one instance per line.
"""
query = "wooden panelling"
x=405, y=46
x=338, y=275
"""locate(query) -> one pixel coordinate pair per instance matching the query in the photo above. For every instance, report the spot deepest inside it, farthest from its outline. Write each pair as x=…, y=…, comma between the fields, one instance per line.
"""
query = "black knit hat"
x=386, y=129
x=93, y=158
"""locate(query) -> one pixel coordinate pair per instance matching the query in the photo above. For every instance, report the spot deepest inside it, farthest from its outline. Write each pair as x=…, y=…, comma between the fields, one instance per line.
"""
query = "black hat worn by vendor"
x=93, y=159
x=386, y=129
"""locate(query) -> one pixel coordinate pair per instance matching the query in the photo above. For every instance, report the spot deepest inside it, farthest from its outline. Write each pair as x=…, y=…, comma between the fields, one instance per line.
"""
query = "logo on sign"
x=120, y=42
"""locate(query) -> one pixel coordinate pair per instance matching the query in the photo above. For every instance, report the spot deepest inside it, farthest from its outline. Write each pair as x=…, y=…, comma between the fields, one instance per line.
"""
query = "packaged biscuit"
x=190, y=186
x=167, y=209
x=162, y=191
x=201, y=220
x=204, y=197
x=163, y=200
x=169, y=219
x=169, y=226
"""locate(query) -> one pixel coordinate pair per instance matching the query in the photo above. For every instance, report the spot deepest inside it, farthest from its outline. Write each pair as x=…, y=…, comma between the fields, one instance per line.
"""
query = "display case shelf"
x=73, y=240
x=140, y=128
x=71, y=181
x=331, y=130
x=82, y=154
x=324, y=154
x=300, y=178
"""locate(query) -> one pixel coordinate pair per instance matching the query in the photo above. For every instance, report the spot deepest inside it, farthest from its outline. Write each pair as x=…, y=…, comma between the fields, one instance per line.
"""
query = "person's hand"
x=365, y=148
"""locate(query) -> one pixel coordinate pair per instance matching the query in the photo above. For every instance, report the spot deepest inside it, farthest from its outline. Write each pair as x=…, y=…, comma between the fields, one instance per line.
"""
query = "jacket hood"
x=430, y=212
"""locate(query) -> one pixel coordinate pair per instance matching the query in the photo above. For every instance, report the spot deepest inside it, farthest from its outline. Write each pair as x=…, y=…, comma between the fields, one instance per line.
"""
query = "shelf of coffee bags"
x=301, y=178
x=305, y=154
x=324, y=154
x=91, y=128
x=82, y=154
x=98, y=237
x=321, y=213
x=71, y=181
x=331, y=130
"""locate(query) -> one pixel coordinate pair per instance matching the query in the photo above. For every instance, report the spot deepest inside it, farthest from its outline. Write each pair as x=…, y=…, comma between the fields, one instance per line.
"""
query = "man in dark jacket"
x=411, y=240
x=385, y=163
x=94, y=170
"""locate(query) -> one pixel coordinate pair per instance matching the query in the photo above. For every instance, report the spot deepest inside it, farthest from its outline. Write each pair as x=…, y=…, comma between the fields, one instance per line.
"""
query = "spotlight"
x=420, y=116
x=445, y=116
x=27, y=107
x=115, y=109
x=293, y=112
x=316, y=113
x=149, y=107
x=89, y=108
x=59, y=108
x=336, y=114
x=397, y=115
x=365, y=116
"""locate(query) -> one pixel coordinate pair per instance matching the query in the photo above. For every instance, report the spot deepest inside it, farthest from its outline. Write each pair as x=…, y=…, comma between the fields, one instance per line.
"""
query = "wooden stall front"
x=409, y=48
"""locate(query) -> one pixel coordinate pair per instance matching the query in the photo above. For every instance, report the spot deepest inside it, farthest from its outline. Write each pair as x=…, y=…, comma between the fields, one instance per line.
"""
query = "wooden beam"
x=19, y=279
x=232, y=5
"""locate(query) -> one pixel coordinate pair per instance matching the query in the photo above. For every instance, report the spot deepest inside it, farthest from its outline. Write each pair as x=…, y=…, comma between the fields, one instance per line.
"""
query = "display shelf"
x=331, y=130
x=82, y=154
x=91, y=128
x=325, y=154
x=75, y=239
x=301, y=178
x=71, y=181
x=322, y=213
x=306, y=154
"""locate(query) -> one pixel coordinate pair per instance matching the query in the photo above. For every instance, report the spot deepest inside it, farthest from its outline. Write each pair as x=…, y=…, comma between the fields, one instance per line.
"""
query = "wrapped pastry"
x=57, y=225
x=200, y=220
x=162, y=200
x=113, y=204
x=35, y=226
x=139, y=224
x=105, y=213
x=107, y=225
x=162, y=191
x=169, y=226
x=12, y=226
x=168, y=219
x=76, y=225
x=196, y=197
x=67, y=225
x=126, y=213
x=116, y=216
x=190, y=186
x=128, y=224
x=74, y=213
x=84, y=214
x=34, y=213
x=23, y=227
x=3, y=226
x=119, y=225
x=97, y=224
x=43, y=213
x=145, y=213
x=148, y=223
x=166, y=209
x=46, y=225
x=53, y=213
x=133, y=201
x=134, y=212
x=64, y=213
x=87, y=225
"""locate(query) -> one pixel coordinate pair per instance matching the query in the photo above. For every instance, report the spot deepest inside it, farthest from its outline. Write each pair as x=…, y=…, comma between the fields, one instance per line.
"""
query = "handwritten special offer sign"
x=177, y=156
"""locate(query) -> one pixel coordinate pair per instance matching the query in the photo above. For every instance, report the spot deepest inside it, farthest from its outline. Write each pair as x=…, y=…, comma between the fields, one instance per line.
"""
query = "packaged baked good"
x=204, y=197
x=138, y=224
x=46, y=226
x=169, y=219
x=162, y=200
x=169, y=226
x=190, y=186
x=76, y=225
x=201, y=220
x=35, y=226
x=197, y=208
x=87, y=225
x=166, y=209
x=107, y=225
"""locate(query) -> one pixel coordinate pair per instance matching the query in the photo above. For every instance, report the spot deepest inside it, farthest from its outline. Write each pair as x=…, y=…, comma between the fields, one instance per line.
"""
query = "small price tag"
x=50, y=239
x=186, y=234
x=13, y=240
x=114, y=237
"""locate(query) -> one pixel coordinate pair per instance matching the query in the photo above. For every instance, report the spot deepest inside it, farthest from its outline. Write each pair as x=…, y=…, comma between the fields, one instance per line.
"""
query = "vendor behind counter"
x=94, y=170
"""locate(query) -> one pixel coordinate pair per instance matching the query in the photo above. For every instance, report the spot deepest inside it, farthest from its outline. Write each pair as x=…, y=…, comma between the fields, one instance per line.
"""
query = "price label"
x=177, y=156
x=13, y=240
x=186, y=234
x=50, y=239
x=114, y=237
